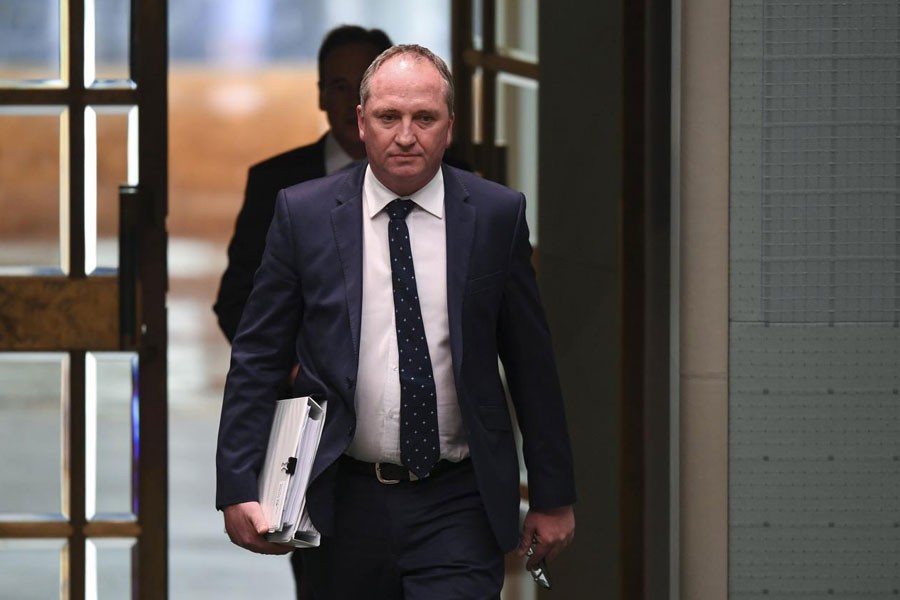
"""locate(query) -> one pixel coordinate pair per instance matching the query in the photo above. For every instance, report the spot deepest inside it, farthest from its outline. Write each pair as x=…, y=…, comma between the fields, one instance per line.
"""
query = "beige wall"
x=703, y=348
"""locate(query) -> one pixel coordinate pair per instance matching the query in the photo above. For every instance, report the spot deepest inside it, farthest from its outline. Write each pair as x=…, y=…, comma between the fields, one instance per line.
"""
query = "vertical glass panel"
x=110, y=161
x=31, y=569
x=517, y=134
x=477, y=24
x=110, y=398
x=29, y=42
x=108, y=564
x=33, y=199
x=32, y=396
x=107, y=27
x=517, y=29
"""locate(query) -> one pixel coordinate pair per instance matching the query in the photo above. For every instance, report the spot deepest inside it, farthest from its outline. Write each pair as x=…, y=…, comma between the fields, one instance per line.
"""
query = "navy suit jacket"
x=306, y=304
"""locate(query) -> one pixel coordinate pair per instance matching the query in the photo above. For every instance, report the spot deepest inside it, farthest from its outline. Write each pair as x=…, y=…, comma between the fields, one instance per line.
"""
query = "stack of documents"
x=293, y=442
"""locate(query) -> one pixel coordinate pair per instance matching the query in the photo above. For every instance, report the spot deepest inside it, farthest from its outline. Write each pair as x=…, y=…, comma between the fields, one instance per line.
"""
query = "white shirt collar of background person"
x=335, y=156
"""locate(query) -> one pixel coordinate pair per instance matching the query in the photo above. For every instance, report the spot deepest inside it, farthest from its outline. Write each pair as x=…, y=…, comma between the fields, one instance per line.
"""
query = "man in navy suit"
x=344, y=54
x=326, y=292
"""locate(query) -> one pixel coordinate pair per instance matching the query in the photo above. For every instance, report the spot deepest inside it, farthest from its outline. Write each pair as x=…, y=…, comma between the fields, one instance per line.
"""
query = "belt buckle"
x=378, y=476
x=382, y=479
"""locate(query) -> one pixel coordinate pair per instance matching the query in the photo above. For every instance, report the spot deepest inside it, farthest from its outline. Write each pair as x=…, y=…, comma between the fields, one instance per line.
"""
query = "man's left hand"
x=552, y=529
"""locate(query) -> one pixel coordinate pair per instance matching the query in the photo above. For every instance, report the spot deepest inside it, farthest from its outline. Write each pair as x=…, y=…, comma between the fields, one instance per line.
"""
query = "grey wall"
x=814, y=388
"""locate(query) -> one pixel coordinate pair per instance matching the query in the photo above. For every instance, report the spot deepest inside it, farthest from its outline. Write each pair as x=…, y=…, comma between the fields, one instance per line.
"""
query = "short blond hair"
x=419, y=53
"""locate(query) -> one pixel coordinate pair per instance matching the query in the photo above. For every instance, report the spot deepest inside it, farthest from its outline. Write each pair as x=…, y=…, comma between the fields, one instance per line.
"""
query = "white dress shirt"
x=377, y=398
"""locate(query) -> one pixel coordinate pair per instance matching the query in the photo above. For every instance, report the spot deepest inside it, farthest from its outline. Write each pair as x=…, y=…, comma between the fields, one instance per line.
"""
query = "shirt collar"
x=335, y=156
x=430, y=198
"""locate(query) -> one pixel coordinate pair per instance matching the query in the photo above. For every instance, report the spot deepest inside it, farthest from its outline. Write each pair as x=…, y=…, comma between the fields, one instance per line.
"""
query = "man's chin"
x=405, y=171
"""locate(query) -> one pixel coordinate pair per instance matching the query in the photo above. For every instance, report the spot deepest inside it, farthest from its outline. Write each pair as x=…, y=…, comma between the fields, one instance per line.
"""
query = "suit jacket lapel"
x=346, y=219
x=460, y=232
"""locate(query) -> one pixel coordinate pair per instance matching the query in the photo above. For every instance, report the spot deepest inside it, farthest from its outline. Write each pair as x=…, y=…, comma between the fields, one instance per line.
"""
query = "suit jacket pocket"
x=495, y=417
x=473, y=286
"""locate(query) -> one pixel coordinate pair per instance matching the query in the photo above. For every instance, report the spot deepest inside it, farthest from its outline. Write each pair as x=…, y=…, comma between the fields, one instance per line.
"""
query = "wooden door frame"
x=149, y=57
x=148, y=67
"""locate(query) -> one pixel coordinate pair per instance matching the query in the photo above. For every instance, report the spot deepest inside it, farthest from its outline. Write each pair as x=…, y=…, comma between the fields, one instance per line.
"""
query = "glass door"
x=82, y=299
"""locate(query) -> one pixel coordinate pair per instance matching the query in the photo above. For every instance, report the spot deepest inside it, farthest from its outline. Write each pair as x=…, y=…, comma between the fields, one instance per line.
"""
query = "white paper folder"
x=293, y=442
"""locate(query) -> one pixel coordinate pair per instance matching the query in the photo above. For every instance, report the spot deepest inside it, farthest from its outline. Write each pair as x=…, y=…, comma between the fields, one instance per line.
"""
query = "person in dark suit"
x=344, y=54
x=399, y=284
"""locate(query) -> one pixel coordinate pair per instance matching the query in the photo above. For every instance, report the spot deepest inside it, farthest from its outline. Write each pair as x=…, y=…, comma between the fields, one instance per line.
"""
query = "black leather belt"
x=390, y=473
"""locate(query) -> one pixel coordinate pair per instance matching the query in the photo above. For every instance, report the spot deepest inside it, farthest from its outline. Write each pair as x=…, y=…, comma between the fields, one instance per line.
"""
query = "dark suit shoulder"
x=306, y=160
x=341, y=186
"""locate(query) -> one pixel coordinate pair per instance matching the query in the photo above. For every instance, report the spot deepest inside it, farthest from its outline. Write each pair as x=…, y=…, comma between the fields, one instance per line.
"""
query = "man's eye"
x=428, y=119
x=388, y=118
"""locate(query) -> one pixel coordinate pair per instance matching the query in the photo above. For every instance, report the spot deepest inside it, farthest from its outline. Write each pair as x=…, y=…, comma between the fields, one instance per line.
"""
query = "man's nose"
x=405, y=135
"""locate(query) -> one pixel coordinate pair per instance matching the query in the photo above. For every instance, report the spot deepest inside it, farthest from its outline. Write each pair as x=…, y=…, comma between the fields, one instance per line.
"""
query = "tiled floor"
x=203, y=564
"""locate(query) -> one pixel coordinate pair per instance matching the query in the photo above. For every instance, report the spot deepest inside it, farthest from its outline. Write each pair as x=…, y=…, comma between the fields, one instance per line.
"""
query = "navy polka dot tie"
x=419, y=441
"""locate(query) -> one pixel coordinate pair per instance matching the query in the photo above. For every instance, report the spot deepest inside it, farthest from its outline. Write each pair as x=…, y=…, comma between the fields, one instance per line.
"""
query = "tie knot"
x=399, y=208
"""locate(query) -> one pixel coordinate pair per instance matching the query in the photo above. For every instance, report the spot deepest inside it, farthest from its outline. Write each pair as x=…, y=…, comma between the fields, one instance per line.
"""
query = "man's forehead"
x=412, y=72
x=405, y=61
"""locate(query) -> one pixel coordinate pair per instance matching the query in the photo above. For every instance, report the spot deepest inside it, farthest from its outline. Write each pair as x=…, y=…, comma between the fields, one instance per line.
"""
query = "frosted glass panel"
x=517, y=135
x=109, y=563
x=31, y=569
x=31, y=194
x=477, y=28
x=517, y=29
x=32, y=405
x=29, y=42
x=112, y=20
x=110, y=161
x=111, y=400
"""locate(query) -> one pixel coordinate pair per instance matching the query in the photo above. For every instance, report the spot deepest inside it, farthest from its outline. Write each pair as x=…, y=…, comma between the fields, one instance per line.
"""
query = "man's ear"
x=321, y=96
x=360, y=121
x=450, y=130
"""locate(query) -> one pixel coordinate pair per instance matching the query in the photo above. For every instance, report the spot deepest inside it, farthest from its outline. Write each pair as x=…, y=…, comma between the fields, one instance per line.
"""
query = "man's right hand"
x=246, y=525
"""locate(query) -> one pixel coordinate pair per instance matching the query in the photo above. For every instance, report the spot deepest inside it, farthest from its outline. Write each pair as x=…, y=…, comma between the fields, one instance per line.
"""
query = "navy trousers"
x=422, y=540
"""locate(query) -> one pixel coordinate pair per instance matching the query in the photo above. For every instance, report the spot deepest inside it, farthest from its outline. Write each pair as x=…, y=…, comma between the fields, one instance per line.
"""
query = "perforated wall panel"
x=814, y=365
